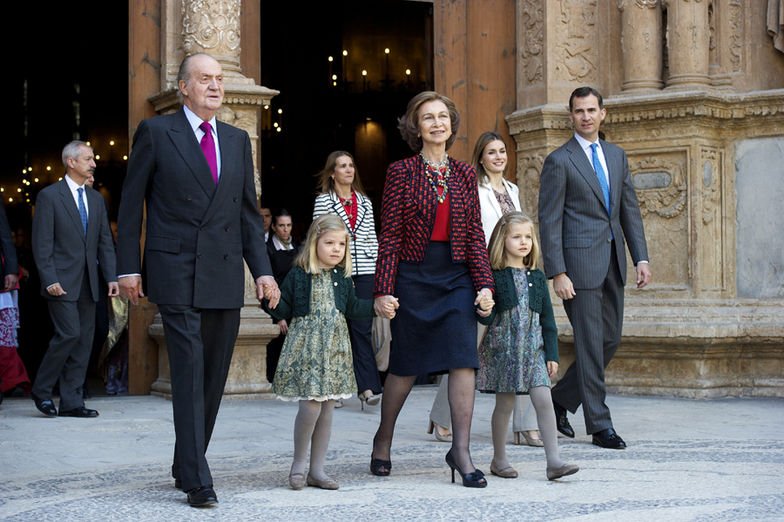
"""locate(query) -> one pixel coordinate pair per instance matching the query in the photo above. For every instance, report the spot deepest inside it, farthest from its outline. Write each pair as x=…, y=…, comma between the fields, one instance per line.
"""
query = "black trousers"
x=365, y=369
x=200, y=344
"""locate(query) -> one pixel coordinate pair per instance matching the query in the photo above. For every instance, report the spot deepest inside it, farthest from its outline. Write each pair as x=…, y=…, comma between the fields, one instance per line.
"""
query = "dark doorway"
x=327, y=105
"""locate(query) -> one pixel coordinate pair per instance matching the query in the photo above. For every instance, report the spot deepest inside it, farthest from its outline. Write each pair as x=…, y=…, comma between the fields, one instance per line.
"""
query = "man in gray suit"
x=70, y=232
x=195, y=175
x=587, y=210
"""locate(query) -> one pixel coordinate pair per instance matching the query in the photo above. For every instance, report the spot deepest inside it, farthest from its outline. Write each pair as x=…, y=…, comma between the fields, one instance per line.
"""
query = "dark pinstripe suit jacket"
x=574, y=225
x=197, y=233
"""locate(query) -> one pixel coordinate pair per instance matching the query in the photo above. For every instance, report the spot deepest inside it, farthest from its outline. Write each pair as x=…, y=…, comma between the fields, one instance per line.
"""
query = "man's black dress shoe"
x=561, y=422
x=202, y=496
x=45, y=406
x=79, y=412
x=177, y=483
x=608, y=439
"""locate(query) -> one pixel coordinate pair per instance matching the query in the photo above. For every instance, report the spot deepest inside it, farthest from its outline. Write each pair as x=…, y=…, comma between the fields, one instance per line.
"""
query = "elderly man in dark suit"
x=70, y=232
x=587, y=210
x=196, y=176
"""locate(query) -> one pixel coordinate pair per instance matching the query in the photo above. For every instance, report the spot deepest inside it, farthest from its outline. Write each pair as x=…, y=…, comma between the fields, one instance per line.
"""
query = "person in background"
x=101, y=322
x=342, y=195
x=282, y=248
x=588, y=211
x=70, y=233
x=12, y=370
x=266, y=215
x=432, y=257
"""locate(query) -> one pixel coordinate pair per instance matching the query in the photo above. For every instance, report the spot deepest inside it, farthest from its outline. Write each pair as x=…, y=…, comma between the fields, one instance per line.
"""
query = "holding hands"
x=484, y=301
x=385, y=306
x=266, y=287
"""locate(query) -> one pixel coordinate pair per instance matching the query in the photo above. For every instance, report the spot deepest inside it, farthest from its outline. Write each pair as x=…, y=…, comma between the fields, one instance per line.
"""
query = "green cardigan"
x=538, y=301
x=295, y=296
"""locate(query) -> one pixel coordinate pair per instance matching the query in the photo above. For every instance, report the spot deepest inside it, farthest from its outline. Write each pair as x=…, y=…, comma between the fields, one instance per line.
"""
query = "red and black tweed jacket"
x=408, y=211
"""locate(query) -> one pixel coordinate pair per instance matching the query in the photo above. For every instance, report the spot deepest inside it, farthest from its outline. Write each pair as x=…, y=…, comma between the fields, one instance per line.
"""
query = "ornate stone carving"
x=529, y=171
x=735, y=8
x=576, y=60
x=213, y=26
x=532, y=20
x=710, y=184
x=664, y=201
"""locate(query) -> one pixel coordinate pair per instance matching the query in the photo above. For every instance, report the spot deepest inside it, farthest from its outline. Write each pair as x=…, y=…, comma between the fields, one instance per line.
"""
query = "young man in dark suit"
x=195, y=175
x=70, y=232
x=587, y=210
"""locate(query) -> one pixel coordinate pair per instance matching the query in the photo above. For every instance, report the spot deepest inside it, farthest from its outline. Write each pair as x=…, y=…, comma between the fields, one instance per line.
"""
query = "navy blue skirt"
x=435, y=327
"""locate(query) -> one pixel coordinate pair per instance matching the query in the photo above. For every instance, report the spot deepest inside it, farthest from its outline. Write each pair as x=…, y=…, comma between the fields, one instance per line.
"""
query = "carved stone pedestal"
x=691, y=349
x=248, y=371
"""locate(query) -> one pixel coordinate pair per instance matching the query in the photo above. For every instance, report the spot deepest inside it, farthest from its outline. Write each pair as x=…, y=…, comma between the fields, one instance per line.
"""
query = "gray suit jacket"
x=574, y=225
x=61, y=249
x=197, y=233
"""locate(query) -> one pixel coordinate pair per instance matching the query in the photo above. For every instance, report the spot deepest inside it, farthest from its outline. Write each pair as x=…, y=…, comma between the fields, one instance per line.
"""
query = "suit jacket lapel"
x=361, y=210
x=338, y=209
x=489, y=195
x=70, y=207
x=185, y=142
x=584, y=167
x=614, y=173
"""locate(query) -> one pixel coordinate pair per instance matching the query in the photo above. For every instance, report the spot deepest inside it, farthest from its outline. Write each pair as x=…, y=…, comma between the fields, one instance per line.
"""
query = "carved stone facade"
x=698, y=105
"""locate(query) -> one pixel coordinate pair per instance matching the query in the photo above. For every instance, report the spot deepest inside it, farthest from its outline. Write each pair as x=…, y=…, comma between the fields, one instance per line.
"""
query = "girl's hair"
x=408, y=124
x=325, y=181
x=498, y=239
x=307, y=259
x=479, y=150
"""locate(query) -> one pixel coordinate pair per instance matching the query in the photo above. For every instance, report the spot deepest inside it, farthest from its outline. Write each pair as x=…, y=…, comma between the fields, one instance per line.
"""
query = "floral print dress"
x=511, y=355
x=315, y=361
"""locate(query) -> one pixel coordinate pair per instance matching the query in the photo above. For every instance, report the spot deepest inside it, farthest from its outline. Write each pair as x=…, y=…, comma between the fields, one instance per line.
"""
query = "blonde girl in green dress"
x=519, y=353
x=315, y=365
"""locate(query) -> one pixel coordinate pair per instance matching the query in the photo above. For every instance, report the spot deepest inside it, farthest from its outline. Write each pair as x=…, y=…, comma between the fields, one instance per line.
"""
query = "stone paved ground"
x=687, y=460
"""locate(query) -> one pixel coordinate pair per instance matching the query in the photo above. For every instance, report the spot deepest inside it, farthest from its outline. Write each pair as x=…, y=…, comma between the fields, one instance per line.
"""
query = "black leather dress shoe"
x=202, y=496
x=79, y=412
x=608, y=439
x=177, y=483
x=561, y=422
x=45, y=406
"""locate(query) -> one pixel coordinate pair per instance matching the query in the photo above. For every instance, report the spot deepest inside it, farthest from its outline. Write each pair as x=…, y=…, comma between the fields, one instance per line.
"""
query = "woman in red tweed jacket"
x=432, y=257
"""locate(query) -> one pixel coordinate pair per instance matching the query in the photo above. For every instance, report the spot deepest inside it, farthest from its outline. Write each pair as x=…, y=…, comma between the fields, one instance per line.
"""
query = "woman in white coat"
x=497, y=196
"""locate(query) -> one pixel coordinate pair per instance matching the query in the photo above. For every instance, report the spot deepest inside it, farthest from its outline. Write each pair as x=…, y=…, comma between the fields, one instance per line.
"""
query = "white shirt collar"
x=195, y=121
x=585, y=144
x=72, y=184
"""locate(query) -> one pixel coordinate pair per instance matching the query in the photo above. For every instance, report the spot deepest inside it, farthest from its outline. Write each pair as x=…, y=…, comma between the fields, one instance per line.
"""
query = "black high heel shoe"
x=475, y=479
x=379, y=467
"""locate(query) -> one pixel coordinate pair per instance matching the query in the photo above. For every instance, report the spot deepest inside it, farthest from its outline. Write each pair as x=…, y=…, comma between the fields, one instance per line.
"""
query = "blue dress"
x=511, y=355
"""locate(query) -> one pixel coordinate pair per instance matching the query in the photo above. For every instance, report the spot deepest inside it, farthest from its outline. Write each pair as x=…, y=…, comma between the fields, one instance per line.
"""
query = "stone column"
x=213, y=27
x=688, y=43
x=642, y=45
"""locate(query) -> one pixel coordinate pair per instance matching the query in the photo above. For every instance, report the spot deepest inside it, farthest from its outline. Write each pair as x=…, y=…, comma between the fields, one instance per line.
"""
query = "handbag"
x=381, y=337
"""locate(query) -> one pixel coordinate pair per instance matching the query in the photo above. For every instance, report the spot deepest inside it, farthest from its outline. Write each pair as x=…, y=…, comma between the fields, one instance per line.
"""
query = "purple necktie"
x=208, y=148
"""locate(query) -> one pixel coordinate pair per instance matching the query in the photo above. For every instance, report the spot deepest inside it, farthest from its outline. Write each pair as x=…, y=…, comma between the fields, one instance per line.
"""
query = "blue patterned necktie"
x=597, y=166
x=82, y=209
